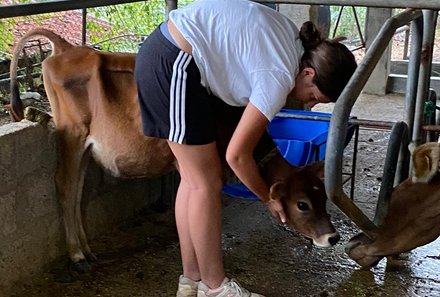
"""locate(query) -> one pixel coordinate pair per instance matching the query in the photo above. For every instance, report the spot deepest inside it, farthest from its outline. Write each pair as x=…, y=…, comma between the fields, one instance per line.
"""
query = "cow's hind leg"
x=89, y=256
x=72, y=164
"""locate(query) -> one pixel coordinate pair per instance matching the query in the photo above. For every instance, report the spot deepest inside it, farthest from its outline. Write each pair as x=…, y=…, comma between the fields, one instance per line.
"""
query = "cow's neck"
x=269, y=157
x=273, y=167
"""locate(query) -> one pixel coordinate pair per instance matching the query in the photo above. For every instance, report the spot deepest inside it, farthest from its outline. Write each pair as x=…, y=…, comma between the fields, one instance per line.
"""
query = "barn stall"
x=32, y=232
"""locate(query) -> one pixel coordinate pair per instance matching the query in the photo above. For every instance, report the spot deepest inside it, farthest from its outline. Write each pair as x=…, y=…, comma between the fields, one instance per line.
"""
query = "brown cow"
x=413, y=217
x=94, y=103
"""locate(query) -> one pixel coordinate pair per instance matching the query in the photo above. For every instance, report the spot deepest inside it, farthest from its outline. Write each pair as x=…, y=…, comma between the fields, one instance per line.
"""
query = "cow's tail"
x=58, y=45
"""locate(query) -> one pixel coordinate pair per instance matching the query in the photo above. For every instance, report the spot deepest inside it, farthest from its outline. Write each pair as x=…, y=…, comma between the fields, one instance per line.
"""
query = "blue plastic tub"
x=300, y=141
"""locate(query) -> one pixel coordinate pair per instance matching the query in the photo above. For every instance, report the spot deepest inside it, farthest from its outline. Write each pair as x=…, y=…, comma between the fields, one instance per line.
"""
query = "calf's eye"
x=303, y=206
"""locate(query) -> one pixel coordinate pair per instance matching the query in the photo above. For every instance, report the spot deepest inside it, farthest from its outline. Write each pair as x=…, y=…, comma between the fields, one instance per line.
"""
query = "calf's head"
x=413, y=217
x=303, y=196
x=300, y=190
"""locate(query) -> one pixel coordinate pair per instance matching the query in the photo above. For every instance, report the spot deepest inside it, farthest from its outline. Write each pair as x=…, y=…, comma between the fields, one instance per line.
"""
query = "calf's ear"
x=411, y=147
x=425, y=159
x=277, y=191
x=316, y=168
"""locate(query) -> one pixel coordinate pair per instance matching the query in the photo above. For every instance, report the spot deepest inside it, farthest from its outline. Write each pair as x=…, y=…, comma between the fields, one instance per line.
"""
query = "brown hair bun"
x=310, y=35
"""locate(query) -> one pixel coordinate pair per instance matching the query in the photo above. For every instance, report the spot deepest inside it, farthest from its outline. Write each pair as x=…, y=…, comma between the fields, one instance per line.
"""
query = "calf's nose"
x=334, y=238
x=327, y=240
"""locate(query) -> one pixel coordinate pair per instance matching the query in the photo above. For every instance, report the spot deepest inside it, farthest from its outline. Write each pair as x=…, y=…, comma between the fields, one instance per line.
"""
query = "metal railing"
x=61, y=5
x=420, y=4
x=342, y=109
x=9, y=11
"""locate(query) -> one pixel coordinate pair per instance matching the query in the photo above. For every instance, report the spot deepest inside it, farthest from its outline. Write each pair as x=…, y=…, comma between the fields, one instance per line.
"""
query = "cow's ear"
x=316, y=168
x=277, y=191
x=411, y=147
x=425, y=159
x=432, y=156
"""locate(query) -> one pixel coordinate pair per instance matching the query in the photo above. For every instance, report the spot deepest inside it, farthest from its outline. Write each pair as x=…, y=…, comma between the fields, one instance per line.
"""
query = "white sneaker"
x=230, y=288
x=187, y=287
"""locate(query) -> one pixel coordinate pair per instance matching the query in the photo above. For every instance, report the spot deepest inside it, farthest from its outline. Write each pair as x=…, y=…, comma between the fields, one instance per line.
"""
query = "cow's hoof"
x=373, y=263
x=82, y=266
x=349, y=246
x=91, y=258
x=62, y=272
x=64, y=278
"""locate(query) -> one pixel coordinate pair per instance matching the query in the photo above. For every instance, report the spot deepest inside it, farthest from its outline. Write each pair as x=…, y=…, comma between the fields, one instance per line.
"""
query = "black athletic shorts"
x=174, y=105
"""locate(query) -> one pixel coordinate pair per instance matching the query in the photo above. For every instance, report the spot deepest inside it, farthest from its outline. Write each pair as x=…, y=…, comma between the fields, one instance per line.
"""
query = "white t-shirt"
x=245, y=51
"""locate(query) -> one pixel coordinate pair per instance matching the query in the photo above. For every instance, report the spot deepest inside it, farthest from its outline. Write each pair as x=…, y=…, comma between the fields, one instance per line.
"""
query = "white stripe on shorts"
x=178, y=97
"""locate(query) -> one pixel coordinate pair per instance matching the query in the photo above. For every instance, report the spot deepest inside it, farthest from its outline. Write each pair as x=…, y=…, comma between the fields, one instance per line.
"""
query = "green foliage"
x=129, y=21
x=7, y=37
x=347, y=24
x=112, y=28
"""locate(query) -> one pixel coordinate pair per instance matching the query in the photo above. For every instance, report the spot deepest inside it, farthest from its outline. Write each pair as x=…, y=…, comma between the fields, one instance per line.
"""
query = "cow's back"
x=95, y=93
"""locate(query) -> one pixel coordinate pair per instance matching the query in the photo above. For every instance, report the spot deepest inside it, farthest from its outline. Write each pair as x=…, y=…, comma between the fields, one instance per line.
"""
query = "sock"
x=217, y=291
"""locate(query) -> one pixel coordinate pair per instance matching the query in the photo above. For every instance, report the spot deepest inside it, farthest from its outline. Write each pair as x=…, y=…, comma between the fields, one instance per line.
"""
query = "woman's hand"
x=276, y=208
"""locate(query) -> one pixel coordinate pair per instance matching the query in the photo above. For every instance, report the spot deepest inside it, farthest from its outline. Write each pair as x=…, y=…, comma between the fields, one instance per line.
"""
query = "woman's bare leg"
x=198, y=211
x=188, y=255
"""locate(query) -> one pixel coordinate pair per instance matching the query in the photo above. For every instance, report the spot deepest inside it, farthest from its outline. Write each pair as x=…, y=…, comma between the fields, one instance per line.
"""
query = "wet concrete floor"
x=140, y=258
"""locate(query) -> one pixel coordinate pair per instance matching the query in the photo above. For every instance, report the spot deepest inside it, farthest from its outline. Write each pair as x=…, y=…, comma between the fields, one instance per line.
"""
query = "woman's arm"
x=239, y=156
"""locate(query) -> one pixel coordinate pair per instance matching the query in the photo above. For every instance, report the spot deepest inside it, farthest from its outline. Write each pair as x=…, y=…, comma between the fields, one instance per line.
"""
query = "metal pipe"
x=353, y=121
x=8, y=11
x=84, y=27
x=354, y=161
x=432, y=98
x=429, y=19
x=339, y=120
x=170, y=5
x=419, y=4
x=410, y=97
x=358, y=26
x=406, y=46
x=433, y=128
x=405, y=28
x=389, y=171
x=337, y=21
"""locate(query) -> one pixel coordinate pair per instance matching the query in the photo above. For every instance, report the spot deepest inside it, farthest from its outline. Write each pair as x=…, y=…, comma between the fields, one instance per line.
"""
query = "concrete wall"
x=31, y=230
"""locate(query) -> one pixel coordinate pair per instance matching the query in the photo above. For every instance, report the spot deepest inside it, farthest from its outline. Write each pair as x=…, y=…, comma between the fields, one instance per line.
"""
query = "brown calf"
x=413, y=217
x=93, y=99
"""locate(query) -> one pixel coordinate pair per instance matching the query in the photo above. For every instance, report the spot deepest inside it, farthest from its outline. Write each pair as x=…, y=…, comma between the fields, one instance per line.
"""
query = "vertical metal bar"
x=389, y=171
x=429, y=19
x=354, y=160
x=416, y=28
x=432, y=97
x=84, y=27
x=437, y=121
x=358, y=26
x=337, y=21
x=170, y=5
x=406, y=45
